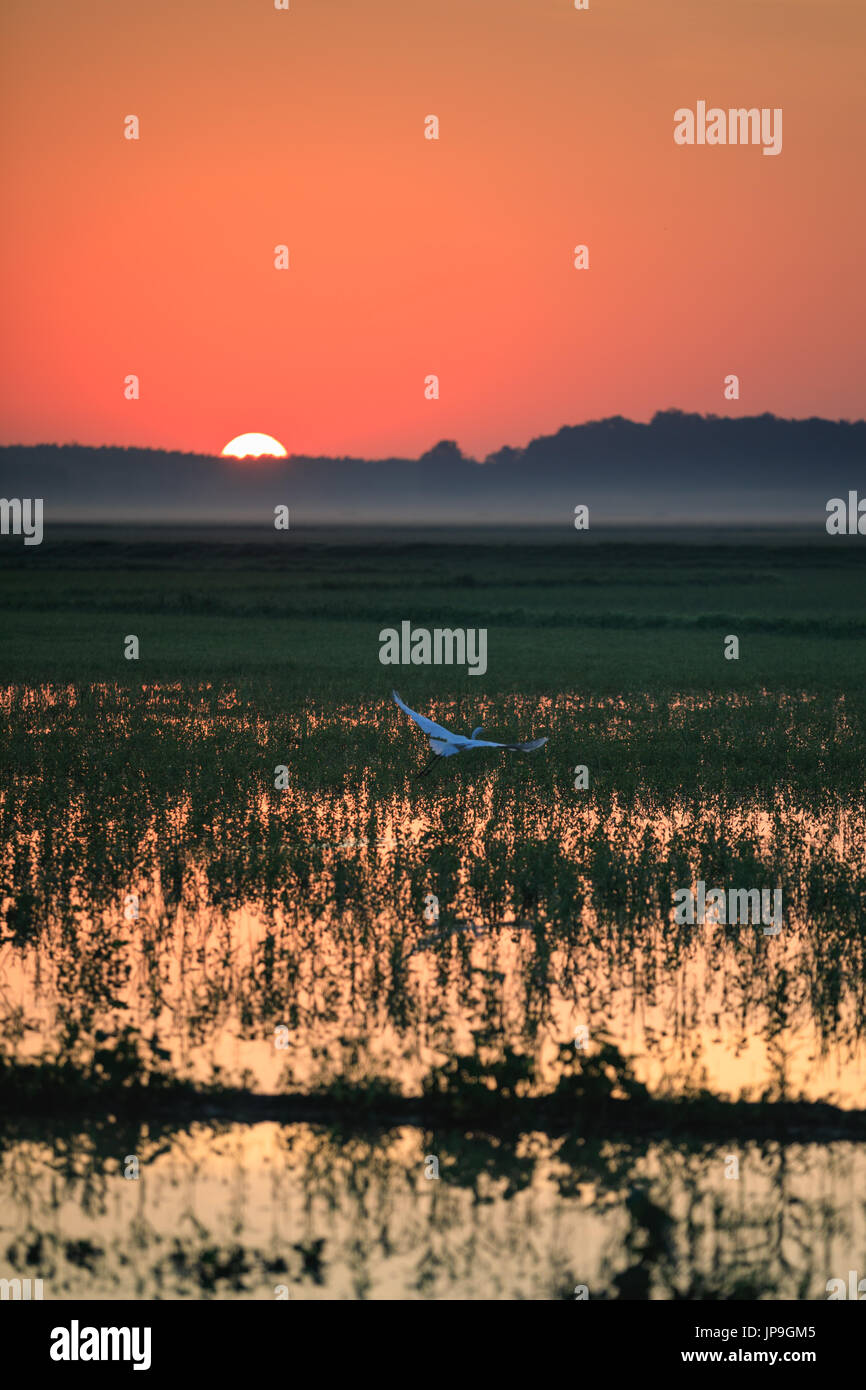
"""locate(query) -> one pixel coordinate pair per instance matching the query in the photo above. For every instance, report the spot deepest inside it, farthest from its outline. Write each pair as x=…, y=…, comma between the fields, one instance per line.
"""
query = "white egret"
x=445, y=744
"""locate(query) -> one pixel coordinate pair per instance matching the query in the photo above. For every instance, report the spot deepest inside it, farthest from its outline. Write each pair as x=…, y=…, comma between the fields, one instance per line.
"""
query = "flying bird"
x=445, y=744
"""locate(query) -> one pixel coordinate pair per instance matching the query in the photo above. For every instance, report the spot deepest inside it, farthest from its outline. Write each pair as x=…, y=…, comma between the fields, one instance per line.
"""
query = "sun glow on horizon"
x=254, y=446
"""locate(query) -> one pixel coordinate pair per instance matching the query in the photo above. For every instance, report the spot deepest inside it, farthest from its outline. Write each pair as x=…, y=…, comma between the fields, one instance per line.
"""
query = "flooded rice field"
x=279, y=1019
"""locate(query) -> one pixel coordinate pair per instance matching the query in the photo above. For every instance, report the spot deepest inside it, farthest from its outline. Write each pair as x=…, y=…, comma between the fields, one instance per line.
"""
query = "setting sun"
x=254, y=446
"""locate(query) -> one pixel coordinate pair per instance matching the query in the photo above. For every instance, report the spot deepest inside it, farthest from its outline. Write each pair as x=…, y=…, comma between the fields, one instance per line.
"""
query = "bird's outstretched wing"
x=423, y=722
x=531, y=747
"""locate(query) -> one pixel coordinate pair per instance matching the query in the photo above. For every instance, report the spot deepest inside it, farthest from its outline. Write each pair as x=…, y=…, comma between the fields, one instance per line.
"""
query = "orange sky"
x=411, y=256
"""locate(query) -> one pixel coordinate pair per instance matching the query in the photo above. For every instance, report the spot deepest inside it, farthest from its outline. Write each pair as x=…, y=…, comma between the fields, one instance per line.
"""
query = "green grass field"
x=292, y=631
x=305, y=614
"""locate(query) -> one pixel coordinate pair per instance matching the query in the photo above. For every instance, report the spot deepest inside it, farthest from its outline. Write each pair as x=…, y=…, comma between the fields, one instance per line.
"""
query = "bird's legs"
x=427, y=766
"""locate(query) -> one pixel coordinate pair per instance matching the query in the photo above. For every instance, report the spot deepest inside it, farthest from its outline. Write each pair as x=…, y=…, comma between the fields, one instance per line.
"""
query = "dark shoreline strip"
x=699, y=1117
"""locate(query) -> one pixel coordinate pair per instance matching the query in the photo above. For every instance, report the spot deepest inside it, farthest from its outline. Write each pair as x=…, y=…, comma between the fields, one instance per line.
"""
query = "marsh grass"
x=304, y=906
x=303, y=910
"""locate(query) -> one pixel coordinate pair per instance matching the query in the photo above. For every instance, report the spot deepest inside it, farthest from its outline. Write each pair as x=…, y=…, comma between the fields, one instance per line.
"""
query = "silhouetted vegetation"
x=679, y=466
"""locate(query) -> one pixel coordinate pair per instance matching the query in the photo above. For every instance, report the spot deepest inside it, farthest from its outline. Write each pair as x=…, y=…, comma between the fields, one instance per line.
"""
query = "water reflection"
x=307, y=1213
x=154, y=877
